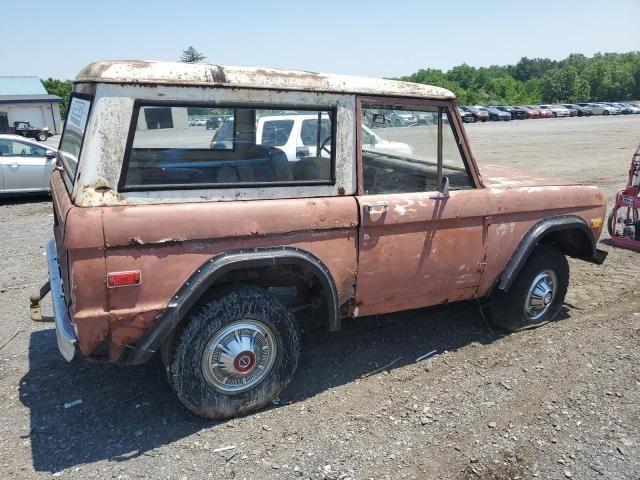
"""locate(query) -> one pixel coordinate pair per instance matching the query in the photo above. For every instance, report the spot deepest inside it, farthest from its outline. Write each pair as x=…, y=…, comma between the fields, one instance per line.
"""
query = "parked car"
x=581, y=111
x=634, y=109
x=25, y=165
x=425, y=118
x=530, y=112
x=516, y=113
x=624, y=109
x=573, y=112
x=295, y=135
x=543, y=112
x=495, y=114
x=25, y=129
x=213, y=123
x=479, y=114
x=595, y=108
x=467, y=117
x=556, y=110
x=210, y=258
x=399, y=118
x=607, y=109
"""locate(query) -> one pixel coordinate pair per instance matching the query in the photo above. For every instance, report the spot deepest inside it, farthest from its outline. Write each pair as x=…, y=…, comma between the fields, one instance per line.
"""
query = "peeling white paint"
x=179, y=73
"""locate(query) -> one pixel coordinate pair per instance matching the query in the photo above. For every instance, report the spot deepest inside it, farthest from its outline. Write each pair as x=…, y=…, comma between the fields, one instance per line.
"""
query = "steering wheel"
x=324, y=146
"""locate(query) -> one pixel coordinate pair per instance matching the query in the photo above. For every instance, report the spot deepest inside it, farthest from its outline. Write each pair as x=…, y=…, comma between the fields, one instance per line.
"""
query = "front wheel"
x=536, y=295
x=236, y=354
x=606, y=112
x=41, y=137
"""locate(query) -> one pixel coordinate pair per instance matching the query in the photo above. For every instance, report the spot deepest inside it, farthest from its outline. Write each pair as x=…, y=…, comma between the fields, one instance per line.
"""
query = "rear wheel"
x=536, y=295
x=236, y=354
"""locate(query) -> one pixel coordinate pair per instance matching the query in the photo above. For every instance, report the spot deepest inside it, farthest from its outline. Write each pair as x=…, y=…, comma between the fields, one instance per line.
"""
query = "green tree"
x=577, y=78
x=191, y=55
x=61, y=88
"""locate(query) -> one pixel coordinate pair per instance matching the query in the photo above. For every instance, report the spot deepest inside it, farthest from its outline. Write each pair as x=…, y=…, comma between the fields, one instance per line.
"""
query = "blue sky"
x=372, y=38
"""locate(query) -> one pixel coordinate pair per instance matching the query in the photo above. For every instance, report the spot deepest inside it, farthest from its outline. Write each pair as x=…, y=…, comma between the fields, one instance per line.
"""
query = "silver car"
x=25, y=165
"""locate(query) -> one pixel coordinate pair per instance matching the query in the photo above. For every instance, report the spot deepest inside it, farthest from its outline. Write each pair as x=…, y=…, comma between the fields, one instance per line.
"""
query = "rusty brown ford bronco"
x=336, y=195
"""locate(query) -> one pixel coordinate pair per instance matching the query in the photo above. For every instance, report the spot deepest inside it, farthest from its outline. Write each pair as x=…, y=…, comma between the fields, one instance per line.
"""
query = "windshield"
x=71, y=142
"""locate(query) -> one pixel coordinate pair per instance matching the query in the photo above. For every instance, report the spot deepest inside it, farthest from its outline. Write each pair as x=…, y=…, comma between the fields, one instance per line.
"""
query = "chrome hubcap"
x=239, y=356
x=540, y=295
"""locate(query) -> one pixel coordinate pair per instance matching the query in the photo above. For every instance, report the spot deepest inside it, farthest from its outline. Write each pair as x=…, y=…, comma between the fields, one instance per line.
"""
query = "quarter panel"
x=168, y=243
x=515, y=211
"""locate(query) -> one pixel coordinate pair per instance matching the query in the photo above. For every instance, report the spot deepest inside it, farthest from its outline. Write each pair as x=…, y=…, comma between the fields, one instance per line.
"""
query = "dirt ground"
x=558, y=402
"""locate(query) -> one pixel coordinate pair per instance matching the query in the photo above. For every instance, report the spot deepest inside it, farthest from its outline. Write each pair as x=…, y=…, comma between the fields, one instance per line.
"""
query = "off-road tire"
x=186, y=366
x=508, y=308
x=41, y=137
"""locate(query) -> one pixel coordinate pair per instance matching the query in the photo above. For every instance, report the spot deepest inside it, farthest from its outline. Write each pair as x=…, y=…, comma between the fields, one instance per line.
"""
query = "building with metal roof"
x=26, y=99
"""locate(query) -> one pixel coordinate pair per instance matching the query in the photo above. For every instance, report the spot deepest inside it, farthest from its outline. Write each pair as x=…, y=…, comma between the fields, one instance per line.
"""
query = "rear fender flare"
x=215, y=268
x=536, y=234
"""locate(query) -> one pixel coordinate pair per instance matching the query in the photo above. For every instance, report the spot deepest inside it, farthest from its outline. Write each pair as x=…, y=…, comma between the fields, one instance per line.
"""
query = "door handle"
x=380, y=207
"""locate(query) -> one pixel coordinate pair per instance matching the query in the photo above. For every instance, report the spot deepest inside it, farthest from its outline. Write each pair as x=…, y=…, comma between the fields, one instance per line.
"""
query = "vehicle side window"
x=30, y=150
x=6, y=147
x=309, y=132
x=404, y=159
x=275, y=133
x=10, y=147
x=251, y=147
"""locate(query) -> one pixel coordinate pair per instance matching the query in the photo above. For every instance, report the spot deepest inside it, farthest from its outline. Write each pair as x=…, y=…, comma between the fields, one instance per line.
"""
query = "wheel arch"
x=215, y=269
x=568, y=233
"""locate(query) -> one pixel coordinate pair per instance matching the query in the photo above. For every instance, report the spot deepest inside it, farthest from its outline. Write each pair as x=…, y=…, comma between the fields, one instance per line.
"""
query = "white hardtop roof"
x=178, y=73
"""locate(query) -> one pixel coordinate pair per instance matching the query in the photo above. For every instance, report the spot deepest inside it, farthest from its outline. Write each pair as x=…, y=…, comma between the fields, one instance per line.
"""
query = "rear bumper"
x=67, y=341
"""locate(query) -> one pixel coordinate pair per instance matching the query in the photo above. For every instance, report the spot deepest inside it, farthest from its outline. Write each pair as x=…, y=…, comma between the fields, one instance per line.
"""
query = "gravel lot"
x=553, y=403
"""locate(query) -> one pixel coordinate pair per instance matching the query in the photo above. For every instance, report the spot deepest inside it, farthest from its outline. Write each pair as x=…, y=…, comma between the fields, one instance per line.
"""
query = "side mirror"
x=50, y=154
x=443, y=190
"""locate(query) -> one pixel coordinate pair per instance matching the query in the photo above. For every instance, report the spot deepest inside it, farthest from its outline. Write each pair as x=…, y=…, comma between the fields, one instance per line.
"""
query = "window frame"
x=455, y=123
x=331, y=110
x=90, y=97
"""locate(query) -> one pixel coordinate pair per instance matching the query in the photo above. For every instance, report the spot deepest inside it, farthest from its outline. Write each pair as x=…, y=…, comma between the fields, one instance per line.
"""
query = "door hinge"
x=486, y=221
x=482, y=266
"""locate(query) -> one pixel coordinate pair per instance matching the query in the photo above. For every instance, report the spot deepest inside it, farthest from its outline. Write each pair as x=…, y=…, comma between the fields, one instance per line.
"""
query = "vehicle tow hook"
x=35, y=310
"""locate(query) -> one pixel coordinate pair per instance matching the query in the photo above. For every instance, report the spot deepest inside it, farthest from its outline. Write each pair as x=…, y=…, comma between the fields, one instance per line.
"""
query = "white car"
x=297, y=136
x=373, y=142
x=557, y=110
x=25, y=165
x=607, y=109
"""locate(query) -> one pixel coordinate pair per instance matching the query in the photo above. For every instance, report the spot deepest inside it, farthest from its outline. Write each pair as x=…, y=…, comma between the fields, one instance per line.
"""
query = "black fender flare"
x=536, y=234
x=212, y=270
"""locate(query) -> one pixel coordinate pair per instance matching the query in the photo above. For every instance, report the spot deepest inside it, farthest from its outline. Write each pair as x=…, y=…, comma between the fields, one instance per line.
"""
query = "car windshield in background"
x=250, y=147
x=73, y=135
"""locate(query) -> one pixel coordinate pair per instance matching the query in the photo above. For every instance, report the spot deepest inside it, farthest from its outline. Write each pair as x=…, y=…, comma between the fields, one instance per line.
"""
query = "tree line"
x=577, y=78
